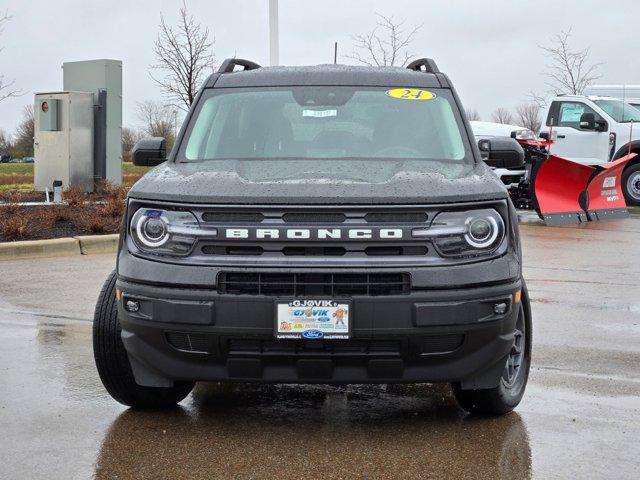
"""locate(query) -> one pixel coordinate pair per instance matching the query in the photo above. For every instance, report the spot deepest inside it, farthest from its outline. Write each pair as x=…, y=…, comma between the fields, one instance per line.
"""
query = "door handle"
x=561, y=136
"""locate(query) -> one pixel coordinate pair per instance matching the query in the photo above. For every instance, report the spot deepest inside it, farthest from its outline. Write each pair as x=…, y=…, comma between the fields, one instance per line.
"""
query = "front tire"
x=631, y=185
x=113, y=363
x=507, y=395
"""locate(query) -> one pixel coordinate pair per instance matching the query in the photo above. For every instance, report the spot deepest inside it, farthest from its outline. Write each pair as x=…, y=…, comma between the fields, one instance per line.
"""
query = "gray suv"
x=325, y=224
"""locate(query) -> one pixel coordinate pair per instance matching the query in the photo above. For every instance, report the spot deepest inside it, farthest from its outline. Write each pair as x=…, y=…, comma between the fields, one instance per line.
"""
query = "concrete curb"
x=98, y=243
x=58, y=247
x=39, y=248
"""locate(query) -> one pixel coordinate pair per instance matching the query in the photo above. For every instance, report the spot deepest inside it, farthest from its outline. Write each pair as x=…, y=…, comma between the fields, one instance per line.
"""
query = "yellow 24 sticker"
x=410, y=94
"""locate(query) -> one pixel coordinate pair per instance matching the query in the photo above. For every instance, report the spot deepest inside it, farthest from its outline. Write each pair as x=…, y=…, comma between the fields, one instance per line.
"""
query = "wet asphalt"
x=580, y=417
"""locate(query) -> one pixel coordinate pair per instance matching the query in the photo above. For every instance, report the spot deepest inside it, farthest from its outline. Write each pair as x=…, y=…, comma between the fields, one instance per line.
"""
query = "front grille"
x=396, y=251
x=292, y=250
x=396, y=217
x=301, y=347
x=301, y=284
x=242, y=250
x=233, y=217
x=314, y=251
x=314, y=217
x=273, y=233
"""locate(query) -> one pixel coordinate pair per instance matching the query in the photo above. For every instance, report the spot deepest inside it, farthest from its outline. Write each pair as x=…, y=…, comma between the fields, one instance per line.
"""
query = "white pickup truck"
x=595, y=130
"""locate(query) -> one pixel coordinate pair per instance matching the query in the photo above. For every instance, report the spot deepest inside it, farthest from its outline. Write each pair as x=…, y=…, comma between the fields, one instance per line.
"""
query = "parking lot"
x=578, y=419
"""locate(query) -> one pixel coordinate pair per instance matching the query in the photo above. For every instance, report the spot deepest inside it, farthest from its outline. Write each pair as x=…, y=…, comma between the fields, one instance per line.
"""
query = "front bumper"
x=510, y=177
x=434, y=335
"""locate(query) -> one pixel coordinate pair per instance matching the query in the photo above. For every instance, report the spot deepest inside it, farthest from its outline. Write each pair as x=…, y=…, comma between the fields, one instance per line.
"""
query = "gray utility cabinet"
x=93, y=76
x=63, y=142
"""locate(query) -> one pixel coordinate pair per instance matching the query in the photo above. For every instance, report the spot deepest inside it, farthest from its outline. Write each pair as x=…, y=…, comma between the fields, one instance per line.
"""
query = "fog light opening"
x=132, y=306
x=500, y=308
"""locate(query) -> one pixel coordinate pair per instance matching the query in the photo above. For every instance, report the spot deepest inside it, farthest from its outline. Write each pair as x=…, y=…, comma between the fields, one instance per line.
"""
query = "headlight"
x=481, y=232
x=151, y=229
x=524, y=134
x=465, y=234
x=166, y=232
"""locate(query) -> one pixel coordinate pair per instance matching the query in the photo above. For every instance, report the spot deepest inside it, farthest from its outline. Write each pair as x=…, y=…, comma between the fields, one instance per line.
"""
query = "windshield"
x=620, y=111
x=325, y=123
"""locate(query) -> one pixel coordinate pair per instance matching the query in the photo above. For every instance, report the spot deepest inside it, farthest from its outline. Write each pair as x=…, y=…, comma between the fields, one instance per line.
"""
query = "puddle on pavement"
x=316, y=432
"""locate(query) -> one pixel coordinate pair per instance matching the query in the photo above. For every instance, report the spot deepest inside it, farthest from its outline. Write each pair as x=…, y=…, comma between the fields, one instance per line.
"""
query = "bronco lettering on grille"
x=315, y=233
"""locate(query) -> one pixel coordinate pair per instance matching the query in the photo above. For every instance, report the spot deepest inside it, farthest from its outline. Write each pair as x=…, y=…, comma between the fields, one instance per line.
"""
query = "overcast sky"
x=489, y=48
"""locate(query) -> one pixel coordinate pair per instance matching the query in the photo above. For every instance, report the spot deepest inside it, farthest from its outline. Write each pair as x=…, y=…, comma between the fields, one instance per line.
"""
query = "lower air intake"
x=190, y=342
x=329, y=284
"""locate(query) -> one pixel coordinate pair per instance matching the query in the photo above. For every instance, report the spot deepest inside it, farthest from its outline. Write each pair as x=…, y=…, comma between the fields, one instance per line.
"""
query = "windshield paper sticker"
x=410, y=94
x=319, y=113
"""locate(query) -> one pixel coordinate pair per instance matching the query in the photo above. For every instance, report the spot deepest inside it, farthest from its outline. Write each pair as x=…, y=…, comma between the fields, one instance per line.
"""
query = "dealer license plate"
x=312, y=319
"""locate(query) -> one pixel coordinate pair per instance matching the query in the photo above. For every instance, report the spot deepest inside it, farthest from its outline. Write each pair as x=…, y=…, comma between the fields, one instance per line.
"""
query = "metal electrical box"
x=64, y=151
x=95, y=76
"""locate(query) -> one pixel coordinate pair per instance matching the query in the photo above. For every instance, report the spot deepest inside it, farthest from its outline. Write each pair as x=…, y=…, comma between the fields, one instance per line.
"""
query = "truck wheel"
x=113, y=363
x=631, y=185
x=507, y=395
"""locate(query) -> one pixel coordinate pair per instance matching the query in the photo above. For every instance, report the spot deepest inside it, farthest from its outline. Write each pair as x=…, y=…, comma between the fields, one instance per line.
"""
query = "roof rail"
x=230, y=63
x=428, y=64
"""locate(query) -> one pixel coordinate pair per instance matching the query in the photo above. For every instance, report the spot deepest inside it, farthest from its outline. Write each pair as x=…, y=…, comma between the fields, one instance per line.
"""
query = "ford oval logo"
x=312, y=334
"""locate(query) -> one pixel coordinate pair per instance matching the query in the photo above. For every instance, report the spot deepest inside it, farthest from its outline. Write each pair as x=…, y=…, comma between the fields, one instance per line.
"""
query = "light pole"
x=174, y=127
x=175, y=123
x=274, y=42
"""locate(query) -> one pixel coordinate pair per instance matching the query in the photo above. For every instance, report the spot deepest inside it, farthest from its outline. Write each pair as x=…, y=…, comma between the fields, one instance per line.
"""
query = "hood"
x=319, y=182
x=492, y=129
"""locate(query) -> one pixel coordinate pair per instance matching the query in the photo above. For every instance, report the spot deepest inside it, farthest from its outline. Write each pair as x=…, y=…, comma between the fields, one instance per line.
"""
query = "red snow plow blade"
x=569, y=192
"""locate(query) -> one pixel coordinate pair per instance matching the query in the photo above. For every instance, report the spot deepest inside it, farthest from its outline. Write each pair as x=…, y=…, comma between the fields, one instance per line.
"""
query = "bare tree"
x=6, y=145
x=158, y=120
x=185, y=54
x=528, y=116
x=502, y=115
x=570, y=71
x=472, y=114
x=387, y=44
x=129, y=138
x=539, y=100
x=23, y=145
x=6, y=89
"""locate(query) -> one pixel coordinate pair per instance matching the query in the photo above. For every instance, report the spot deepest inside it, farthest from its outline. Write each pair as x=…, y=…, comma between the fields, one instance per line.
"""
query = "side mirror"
x=149, y=152
x=501, y=152
x=588, y=121
x=601, y=126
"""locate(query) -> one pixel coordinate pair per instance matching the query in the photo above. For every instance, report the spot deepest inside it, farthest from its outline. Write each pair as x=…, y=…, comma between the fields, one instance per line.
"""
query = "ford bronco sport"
x=326, y=224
